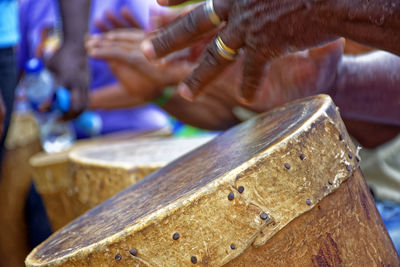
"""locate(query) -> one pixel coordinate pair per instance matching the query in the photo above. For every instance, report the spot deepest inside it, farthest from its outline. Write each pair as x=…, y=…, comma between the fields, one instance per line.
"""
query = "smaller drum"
x=51, y=176
x=94, y=173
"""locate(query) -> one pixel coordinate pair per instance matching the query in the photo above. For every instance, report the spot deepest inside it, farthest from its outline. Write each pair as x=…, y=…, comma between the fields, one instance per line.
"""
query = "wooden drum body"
x=283, y=189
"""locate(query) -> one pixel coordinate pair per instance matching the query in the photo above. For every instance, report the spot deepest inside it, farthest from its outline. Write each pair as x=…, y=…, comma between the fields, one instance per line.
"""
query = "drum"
x=283, y=189
x=52, y=178
x=88, y=175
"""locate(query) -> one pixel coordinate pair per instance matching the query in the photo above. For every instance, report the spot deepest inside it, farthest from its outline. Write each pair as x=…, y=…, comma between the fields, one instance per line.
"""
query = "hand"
x=137, y=75
x=70, y=68
x=263, y=29
x=299, y=75
x=2, y=115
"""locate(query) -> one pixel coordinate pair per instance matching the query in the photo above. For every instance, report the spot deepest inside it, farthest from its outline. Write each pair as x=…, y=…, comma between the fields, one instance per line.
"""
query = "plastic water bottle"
x=55, y=135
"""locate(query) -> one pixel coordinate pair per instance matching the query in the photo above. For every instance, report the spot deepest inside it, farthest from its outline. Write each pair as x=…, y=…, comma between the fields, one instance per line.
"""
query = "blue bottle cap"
x=90, y=123
x=34, y=65
x=62, y=100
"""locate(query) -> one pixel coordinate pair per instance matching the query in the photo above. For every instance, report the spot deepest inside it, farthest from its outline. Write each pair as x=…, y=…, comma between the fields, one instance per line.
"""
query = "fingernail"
x=185, y=92
x=148, y=49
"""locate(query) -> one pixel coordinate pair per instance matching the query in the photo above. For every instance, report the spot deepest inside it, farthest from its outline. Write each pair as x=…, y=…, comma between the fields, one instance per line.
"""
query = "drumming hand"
x=299, y=75
x=140, y=77
x=265, y=30
x=70, y=67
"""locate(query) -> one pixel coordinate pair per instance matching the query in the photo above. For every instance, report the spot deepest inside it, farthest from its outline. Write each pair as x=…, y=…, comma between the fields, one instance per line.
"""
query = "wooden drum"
x=94, y=173
x=283, y=189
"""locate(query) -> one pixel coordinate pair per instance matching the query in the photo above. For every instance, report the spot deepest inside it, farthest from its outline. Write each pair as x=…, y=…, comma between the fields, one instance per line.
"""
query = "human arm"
x=368, y=87
x=69, y=63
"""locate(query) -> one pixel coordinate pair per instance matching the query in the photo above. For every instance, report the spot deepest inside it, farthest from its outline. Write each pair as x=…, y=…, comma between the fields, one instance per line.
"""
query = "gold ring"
x=224, y=50
x=210, y=11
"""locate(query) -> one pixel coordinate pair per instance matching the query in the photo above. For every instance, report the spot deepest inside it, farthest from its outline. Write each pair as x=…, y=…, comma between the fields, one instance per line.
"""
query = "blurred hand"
x=137, y=75
x=2, y=115
x=70, y=68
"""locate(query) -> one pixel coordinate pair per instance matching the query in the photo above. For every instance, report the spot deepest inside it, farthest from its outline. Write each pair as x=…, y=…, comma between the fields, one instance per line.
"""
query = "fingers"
x=114, y=48
x=117, y=39
x=252, y=74
x=212, y=63
x=127, y=15
x=184, y=31
x=122, y=35
x=114, y=21
x=101, y=26
x=111, y=21
x=117, y=53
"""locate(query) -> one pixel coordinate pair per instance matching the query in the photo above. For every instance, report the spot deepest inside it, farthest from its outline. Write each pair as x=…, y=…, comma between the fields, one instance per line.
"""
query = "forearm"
x=75, y=22
x=374, y=23
x=368, y=87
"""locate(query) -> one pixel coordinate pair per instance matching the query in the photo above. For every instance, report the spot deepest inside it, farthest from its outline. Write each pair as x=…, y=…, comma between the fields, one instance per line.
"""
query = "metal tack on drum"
x=175, y=236
x=240, y=189
x=133, y=252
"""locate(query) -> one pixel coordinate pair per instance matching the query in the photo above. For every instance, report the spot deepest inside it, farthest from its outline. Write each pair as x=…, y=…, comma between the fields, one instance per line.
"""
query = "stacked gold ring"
x=210, y=11
x=224, y=50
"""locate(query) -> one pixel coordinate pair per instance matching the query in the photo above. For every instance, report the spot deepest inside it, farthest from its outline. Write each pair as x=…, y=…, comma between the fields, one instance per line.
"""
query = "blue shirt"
x=9, y=35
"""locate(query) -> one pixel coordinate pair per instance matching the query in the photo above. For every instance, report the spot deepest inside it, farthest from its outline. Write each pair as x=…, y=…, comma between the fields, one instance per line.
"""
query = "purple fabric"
x=34, y=15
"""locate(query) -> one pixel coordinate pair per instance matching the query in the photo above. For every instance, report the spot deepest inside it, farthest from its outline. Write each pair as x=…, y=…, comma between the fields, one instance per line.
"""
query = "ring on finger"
x=210, y=11
x=224, y=50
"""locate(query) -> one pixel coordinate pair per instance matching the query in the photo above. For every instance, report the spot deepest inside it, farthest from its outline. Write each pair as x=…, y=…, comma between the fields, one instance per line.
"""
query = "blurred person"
x=40, y=23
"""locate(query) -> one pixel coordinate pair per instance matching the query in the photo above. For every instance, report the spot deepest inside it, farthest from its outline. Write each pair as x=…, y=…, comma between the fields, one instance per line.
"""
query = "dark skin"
x=266, y=29
x=69, y=63
x=346, y=78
